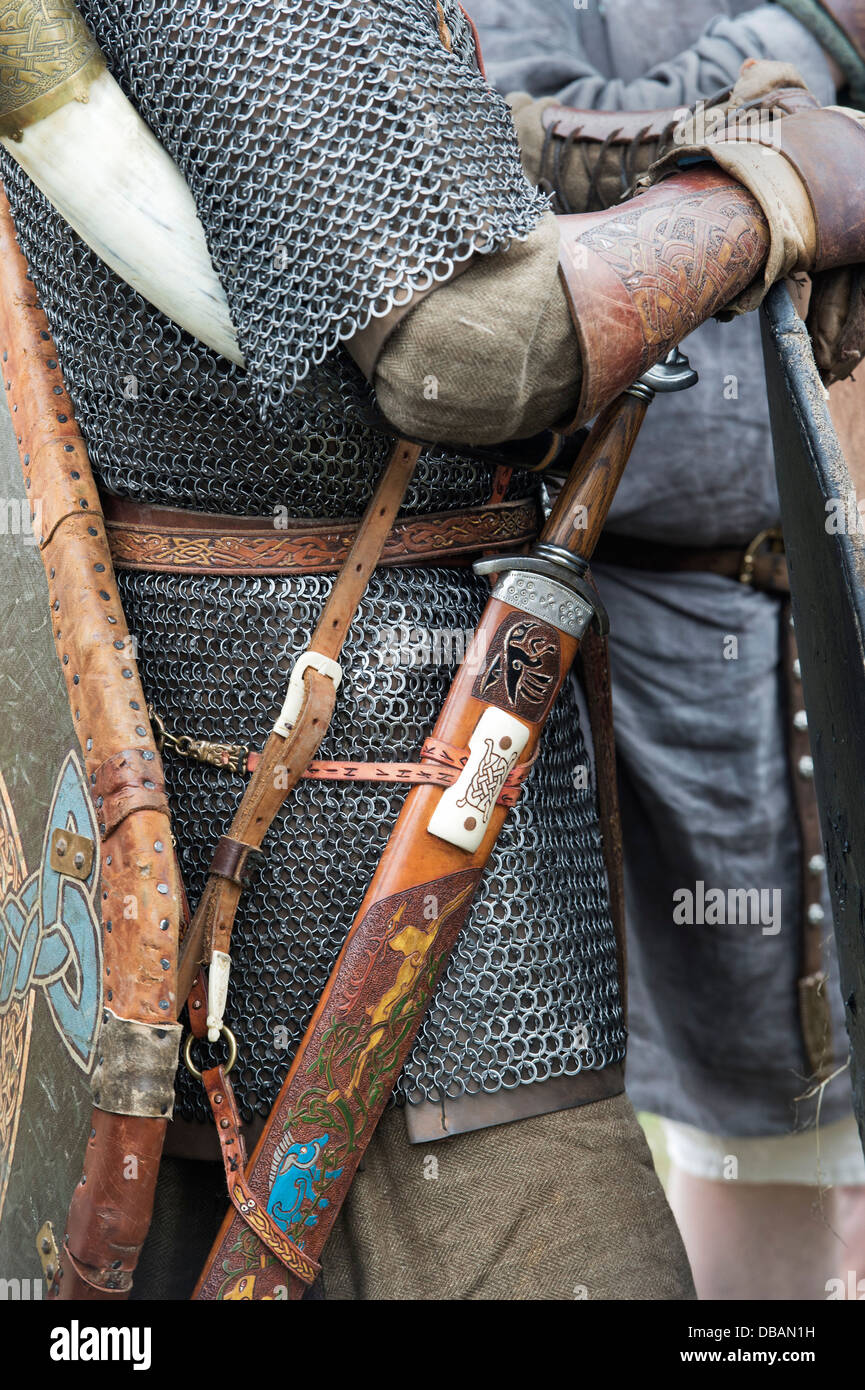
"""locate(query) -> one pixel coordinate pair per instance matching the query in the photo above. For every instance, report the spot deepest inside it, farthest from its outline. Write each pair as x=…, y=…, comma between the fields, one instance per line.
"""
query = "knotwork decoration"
x=50, y=936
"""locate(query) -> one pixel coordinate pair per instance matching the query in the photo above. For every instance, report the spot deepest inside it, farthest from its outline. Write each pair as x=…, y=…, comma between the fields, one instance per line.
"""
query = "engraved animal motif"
x=520, y=662
x=295, y=1183
x=414, y=943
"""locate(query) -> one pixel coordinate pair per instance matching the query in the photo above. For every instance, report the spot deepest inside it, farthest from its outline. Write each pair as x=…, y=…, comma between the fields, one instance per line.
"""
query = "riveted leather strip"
x=254, y=1212
x=126, y=782
x=109, y=1216
x=815, y=1013
x=60, y=484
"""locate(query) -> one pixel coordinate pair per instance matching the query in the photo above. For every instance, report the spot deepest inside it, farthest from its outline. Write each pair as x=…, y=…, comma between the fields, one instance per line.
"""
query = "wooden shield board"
x=826, y=554
x=50, y=934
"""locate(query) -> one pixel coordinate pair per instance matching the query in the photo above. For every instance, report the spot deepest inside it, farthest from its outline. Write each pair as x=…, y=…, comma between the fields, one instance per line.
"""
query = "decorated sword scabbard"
x=408, y=922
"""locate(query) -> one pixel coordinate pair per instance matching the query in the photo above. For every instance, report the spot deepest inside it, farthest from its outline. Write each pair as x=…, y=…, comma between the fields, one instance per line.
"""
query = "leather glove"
x=836, y=321
x=807, y=172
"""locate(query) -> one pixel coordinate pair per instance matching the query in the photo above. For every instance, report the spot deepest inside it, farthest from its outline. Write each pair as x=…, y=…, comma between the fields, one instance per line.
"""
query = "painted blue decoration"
x=50, y=933
x=298, y=1171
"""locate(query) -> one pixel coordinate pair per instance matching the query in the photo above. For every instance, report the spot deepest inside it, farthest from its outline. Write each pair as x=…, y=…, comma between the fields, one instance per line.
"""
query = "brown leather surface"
x=827, y=150
x=431, y=1121
x=250, y=1206
x=231, y=860
x=639, y=278
x=145, y=537
x=109, y=1215
x=849, y=15
x=647, y=127
x=617, y=127
x=365, y=1021
x=283, y=760
x=105, y=1234
x=281, y=766
x=126, y=782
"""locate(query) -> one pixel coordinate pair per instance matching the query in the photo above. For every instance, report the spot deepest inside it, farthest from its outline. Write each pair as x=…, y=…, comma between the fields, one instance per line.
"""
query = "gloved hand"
x=836, y=321
x=807, y=172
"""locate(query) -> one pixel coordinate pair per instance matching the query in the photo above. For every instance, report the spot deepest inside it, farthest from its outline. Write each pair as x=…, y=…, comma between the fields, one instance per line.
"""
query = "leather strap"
x=231, y=859
x=768, y=573
x=285, y=757
x=254, y=1212
x=815, y=1014
x=126, y=782
x=165, y=539
x=758, y=566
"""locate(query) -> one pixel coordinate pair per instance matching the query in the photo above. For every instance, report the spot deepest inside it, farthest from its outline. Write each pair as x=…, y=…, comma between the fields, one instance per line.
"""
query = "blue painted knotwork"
x=50, y=934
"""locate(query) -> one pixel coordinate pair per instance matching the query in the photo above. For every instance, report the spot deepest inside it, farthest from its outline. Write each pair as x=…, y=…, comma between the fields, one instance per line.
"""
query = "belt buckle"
x=772, y=535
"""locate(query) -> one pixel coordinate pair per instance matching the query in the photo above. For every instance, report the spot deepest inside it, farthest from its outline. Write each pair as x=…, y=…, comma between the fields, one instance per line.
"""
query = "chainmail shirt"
x=530, y=991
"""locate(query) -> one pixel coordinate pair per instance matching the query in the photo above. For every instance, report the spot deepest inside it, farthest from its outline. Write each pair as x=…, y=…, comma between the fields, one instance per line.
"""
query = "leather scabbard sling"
x=294, y=740
x=762, y=565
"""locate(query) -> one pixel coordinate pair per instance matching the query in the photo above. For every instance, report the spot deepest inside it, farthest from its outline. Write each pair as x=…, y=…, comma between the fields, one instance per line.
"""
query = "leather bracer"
x=640, y=278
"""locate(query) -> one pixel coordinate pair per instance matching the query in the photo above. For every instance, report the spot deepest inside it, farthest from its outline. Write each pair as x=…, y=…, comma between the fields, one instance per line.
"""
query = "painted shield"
x=825, y=546
x=50, y=937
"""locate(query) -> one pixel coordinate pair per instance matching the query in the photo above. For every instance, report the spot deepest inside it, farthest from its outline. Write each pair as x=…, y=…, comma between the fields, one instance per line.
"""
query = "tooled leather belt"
x=144, y=537
x=762, y=565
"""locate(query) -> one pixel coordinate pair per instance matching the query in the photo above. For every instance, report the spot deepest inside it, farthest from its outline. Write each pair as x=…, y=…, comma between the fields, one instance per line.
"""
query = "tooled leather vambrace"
x=641, y=277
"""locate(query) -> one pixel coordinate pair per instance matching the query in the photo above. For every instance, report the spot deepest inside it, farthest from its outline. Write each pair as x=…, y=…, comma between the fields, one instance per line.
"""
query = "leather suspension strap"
x=297, y=733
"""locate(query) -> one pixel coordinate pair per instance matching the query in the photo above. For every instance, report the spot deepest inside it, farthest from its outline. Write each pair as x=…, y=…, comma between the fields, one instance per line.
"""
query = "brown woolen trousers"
x=562, y=1206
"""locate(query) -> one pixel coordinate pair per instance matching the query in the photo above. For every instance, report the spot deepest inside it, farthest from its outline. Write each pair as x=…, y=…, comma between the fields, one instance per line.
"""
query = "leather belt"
x=145, y=537
x=761, y=563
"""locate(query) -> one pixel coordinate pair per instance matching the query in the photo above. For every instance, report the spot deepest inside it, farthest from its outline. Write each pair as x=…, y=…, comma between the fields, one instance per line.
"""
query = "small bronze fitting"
x=772, y=539
x=234, y=756
x=71, y=854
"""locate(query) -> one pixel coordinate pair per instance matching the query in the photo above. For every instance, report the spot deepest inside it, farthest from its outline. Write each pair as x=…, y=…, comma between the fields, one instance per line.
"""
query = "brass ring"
x=232, y=1052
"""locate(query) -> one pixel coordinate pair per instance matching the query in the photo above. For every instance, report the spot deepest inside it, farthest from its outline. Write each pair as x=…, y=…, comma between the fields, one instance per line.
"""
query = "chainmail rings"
x=530, y=991
x=339, y=155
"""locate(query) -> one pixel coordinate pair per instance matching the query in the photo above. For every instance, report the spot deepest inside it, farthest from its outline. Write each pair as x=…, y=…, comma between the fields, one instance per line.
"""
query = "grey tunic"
x=705, y=788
